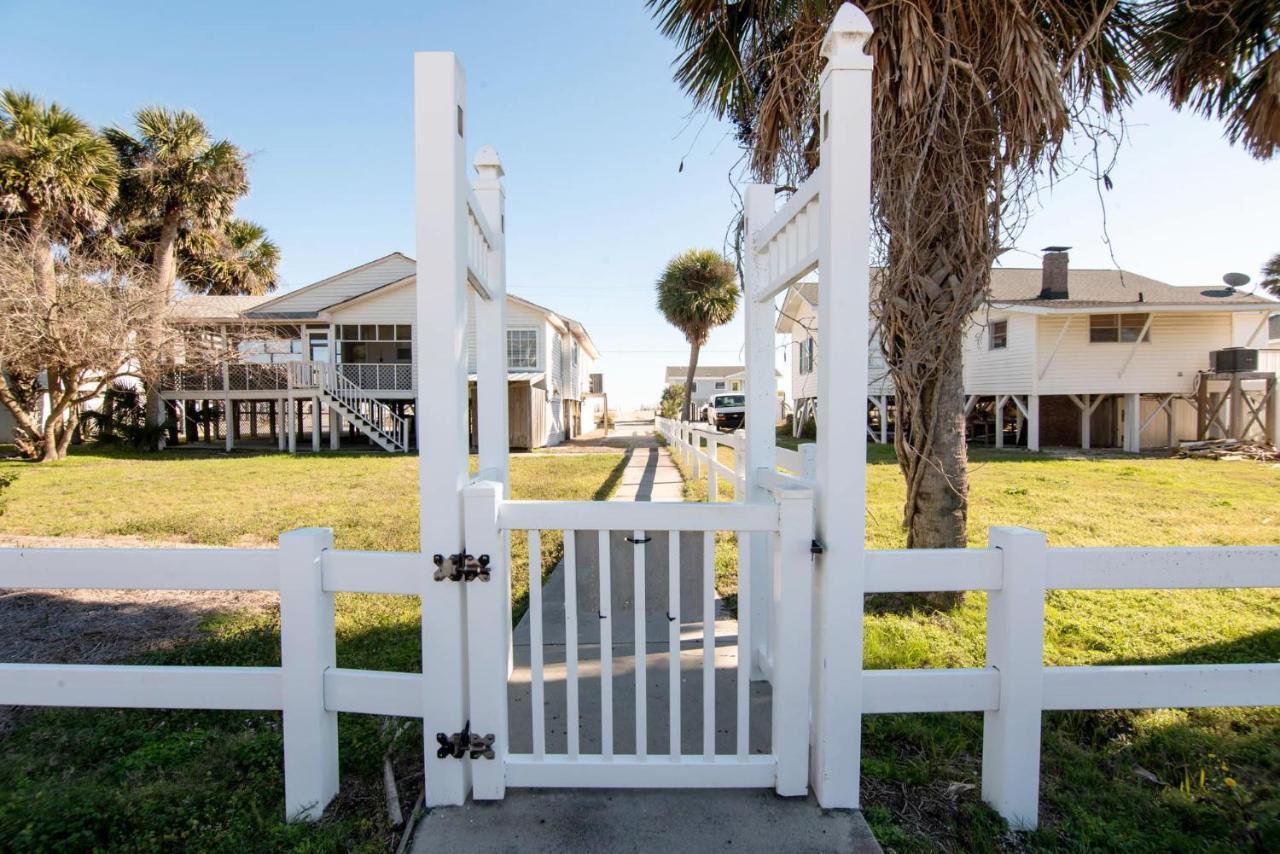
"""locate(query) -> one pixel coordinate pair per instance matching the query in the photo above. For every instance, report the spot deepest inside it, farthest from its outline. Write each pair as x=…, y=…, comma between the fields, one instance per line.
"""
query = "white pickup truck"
x=725, y=410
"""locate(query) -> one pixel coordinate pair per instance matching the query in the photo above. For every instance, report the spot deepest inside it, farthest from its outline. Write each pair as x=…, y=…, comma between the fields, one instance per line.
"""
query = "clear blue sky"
x=577, y=98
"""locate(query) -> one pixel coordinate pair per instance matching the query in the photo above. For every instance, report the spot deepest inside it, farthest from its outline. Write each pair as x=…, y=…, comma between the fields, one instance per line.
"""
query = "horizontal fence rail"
x=1011, y=691
x=308, y=687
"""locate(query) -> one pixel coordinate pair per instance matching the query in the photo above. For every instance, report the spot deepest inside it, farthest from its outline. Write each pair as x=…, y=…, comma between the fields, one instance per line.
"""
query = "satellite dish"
x=1236, y=280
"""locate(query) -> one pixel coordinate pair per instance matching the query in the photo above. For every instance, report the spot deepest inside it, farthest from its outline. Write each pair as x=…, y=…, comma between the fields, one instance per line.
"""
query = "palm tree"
x=972, y=101
x=58, y=178
x=177, y=180
x=238, y=259
x=1271, y=276
x=697, y=292
x=1221, y=59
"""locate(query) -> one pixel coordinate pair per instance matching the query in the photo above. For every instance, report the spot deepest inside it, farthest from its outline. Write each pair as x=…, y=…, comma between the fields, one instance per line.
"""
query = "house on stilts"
x=1086, y=358
x=333, y=363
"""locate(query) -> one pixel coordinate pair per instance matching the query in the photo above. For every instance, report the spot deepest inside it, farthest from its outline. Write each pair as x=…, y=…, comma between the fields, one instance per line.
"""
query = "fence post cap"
x=487, y=163
x=321, y=536
x=843, y=44
x=1014, y=532
x=480, y=488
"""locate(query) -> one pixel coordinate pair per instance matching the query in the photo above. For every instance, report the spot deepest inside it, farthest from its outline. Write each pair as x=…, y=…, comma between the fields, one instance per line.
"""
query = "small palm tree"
x=58, y=178
x=238, y=259
x=177, y=181
x=1271, y=276
x=697, y=292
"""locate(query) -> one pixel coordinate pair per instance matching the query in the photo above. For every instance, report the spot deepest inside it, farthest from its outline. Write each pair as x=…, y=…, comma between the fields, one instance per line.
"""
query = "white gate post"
x=792, y=593
x=308, y=647
x=1015, y=648
x=441, y=192
x=844, y=252
x=493, y=440
x=488, y=613
x=760, y=412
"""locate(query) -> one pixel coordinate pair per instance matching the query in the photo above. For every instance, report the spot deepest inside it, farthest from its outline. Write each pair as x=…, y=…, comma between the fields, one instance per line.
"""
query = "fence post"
x=695, y=454
x=488, y=618
x=739, y=465
x=1015, y=648
x=844, y=234
x=809, y=461
x=713, y=476
x=792, y=613
x=308, y=648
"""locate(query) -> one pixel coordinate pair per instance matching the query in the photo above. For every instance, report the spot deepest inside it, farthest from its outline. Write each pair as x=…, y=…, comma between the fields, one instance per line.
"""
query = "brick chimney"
x=1053, y=282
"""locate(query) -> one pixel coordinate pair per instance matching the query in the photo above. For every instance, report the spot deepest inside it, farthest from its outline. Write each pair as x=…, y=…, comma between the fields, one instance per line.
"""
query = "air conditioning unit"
x=1232, y=360
x=597, y=383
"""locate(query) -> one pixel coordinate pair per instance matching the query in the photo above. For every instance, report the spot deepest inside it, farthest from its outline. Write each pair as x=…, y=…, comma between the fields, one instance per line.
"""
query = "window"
x=999, y=334
x=1273, y=327
x=1118, y=328
x=719, y=385
x=806, y=355
x=522, y=349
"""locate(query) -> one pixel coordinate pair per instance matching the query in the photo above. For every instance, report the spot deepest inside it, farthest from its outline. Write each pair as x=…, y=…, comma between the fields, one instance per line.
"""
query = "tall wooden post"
x=441, y=192
x=761, y=414
x=844, y=252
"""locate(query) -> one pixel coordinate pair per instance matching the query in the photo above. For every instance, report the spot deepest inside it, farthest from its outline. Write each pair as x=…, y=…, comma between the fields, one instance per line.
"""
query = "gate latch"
x=461, y=567
x=465, y=743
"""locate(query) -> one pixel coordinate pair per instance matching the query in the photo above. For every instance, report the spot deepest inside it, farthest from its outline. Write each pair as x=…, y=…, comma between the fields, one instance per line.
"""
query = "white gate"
x=642, y=690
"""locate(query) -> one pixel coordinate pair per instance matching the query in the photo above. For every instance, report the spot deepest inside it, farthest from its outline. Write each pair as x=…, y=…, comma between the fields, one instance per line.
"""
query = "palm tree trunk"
x=164, y=266
x=932, y=454
x=687, y=407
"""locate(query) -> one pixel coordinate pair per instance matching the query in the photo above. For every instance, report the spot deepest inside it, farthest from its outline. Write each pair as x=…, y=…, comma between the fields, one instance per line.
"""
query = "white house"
x=341, y=353
x=707, y=380
x=1083, y=358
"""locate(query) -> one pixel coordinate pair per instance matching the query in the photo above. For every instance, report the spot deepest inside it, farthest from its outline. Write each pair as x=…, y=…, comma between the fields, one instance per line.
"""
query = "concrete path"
x=637, y=820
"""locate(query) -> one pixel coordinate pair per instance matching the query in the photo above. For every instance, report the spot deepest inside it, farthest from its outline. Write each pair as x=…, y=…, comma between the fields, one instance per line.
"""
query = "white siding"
x=557, y=359
x=1004, y=371
x=319, y=296
x=804, y=323
x=1178, y=349
x=392, y=305
x=1250, y=329
x=519, y=316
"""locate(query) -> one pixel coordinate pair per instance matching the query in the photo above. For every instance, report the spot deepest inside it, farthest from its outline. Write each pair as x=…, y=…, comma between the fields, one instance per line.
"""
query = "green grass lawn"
x=74, y=779
x=1159, y=780
x=1192, y=780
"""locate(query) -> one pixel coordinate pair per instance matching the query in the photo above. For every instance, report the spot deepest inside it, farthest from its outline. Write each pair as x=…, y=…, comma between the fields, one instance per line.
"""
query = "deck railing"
x=255, y=376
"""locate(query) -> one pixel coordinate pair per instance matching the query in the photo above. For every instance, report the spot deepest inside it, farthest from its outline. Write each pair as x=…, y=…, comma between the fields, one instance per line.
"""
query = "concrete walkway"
x=684, y=820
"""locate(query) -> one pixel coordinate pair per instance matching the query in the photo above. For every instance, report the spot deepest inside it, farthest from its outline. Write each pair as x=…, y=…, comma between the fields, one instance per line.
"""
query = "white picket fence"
x=696, y=445
x=1011, y=691
x=1015, y=570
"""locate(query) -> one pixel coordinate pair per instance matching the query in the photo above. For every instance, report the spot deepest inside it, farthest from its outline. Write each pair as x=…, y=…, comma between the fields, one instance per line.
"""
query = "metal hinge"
x=465, y=743
x=817, y=547
x=461, y=567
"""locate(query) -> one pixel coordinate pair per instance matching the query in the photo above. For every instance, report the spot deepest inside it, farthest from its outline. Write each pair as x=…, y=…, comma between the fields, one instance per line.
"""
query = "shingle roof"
x=217, y=307
x=1021, y=286
x=1090, y=287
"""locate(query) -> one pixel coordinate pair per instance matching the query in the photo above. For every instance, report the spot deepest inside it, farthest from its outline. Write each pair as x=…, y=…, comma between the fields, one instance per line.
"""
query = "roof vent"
x=1053, y=283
